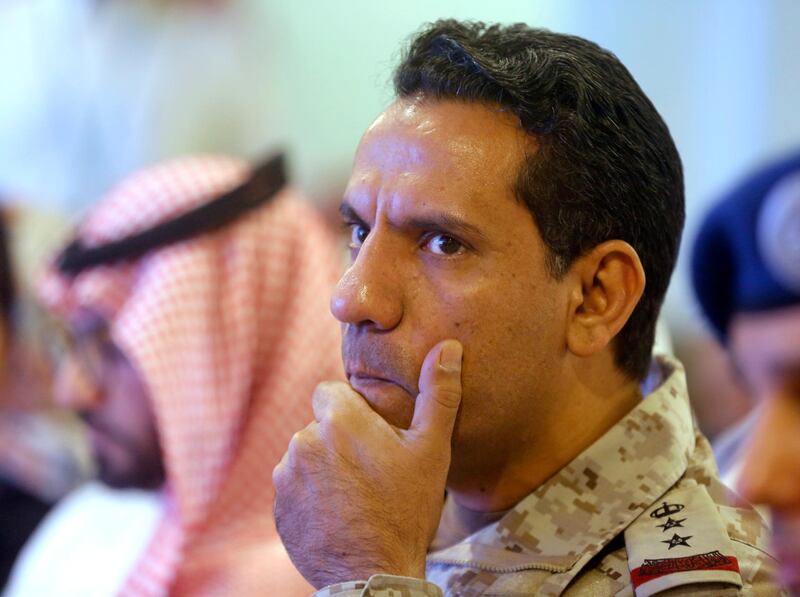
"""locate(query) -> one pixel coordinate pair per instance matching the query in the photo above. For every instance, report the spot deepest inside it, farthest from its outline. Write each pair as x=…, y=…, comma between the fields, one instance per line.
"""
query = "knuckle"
x=446, y=376
x=334, y=431
x=302, y=443
x=280, y=516
x=320, y=391
x=334, y=419
x=329, y=397
x=297, y=440
x=448, y=397
x=279, y=474
x=327, y=386
x=326, y=390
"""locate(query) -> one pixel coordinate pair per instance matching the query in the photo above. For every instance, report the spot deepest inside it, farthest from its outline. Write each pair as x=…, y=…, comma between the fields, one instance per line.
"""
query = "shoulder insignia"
x=680, y=540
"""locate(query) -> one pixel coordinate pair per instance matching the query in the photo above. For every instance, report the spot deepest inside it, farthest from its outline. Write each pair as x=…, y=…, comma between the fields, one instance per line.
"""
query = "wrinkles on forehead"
x=460, y=134
x=438, y=164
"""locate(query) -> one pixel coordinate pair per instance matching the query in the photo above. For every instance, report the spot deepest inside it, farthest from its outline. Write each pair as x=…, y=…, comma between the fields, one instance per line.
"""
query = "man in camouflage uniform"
x=504, y=212
x=746, y=272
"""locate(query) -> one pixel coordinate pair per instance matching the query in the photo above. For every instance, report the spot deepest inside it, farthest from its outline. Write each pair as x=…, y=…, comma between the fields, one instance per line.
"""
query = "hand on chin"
x=357, y=496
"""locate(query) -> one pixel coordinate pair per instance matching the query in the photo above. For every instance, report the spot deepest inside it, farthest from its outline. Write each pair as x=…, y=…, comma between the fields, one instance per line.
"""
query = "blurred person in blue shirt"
x=746, y=273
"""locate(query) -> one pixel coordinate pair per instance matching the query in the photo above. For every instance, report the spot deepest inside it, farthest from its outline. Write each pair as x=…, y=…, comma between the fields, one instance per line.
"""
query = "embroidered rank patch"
x=680, y=540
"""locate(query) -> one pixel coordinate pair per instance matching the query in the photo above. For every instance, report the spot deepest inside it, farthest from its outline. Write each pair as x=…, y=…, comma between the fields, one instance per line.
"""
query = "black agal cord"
x=264, y=184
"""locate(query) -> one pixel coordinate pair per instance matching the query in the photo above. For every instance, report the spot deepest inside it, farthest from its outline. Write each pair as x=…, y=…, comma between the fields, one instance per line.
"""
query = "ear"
x=608, y=283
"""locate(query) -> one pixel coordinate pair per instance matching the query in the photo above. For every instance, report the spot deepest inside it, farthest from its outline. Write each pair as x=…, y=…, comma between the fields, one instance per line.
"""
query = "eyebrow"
x=438, y=221
x=348, y=213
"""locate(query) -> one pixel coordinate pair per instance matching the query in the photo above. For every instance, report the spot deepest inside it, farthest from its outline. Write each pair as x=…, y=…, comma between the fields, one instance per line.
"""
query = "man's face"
x=97, y=380
x=766, y=347
x=441, y=249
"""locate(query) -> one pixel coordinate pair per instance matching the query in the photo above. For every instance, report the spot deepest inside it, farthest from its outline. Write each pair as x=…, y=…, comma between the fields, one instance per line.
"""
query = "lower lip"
x=390, y=400
x=376, y=389
x=371, y=382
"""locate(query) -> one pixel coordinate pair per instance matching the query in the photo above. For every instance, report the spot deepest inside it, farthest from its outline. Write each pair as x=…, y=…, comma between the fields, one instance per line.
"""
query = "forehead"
x=439, y=146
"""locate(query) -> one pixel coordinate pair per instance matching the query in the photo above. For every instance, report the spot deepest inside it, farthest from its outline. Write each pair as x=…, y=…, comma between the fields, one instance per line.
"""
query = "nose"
x=73, y=386
x=370, y=292
x=770, y=472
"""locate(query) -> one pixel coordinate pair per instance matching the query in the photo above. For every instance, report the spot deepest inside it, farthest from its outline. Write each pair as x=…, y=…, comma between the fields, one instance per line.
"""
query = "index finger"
x=337, y=402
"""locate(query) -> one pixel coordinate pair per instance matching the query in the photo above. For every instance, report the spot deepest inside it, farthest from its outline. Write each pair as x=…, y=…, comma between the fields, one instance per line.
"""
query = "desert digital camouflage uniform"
x=640, y=512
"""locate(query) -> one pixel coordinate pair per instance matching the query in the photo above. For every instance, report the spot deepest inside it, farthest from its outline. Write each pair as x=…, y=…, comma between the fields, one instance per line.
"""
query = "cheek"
x=512, y=329
x=135, y=410
x=498, y=315
x=509, y=332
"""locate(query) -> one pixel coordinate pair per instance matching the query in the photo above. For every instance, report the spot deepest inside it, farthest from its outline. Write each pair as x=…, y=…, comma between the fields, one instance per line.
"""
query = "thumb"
x=439, y=390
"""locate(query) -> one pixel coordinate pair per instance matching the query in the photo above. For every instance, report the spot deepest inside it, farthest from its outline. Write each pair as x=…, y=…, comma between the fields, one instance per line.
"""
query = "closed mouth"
x=357, y=378
x=366, y=371
x=364, y=377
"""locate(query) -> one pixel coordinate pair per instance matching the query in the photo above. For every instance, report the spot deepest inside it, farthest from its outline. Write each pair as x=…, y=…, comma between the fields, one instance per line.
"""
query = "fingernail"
x=450, y=356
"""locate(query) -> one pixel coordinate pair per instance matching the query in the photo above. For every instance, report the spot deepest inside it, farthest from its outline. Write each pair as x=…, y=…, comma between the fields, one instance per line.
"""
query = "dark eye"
x=443, y=244
x=358, y=234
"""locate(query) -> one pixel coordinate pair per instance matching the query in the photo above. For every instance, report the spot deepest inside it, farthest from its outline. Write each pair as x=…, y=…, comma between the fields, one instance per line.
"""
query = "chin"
x=125, y=481
x=109, y=476
x=386, y=398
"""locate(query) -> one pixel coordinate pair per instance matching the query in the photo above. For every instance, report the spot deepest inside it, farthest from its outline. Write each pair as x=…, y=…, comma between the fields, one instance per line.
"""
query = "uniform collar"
x=579, y=510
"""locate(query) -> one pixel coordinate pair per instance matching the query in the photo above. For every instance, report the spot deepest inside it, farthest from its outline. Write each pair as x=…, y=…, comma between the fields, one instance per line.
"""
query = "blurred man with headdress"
x=746, y=273
x=195, y=298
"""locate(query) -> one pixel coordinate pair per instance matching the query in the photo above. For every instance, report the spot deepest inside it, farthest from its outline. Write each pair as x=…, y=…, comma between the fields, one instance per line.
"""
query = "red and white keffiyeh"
x=231, y=332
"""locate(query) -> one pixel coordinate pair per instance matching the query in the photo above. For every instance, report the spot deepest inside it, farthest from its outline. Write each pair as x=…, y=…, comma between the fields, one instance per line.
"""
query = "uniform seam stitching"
x=766, y=553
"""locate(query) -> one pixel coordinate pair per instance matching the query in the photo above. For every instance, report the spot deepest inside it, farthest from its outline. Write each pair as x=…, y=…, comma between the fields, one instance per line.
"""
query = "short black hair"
x=606, y=166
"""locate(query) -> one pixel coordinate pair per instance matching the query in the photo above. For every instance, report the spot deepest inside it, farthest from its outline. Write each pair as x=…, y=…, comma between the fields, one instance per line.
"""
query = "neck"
x=580, y=420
